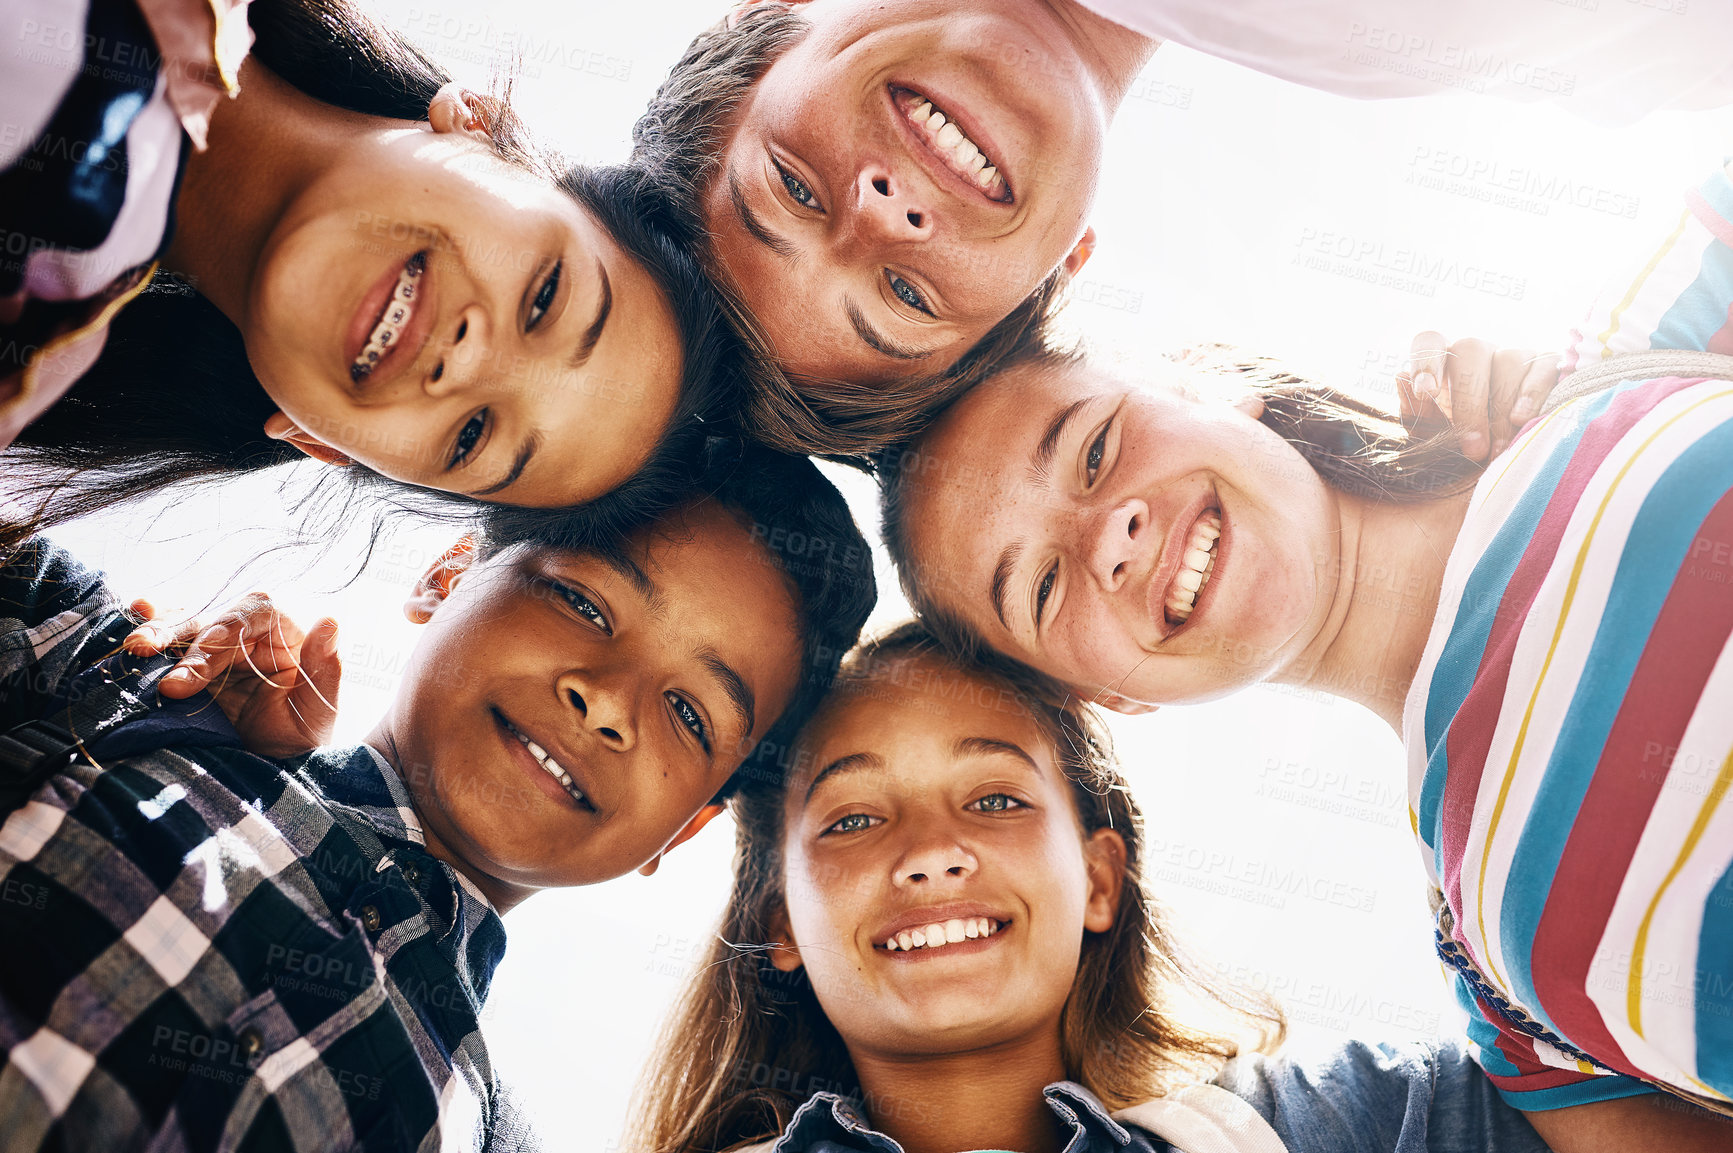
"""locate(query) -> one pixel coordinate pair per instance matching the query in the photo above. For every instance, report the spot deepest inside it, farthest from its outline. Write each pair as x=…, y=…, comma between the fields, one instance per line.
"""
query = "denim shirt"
x=1413, y=1097
x=828, y=1123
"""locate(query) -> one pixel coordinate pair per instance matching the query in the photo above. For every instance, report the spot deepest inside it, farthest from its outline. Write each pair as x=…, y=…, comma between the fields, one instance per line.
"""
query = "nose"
x=605, y=706
x=1121, y=539
x=465, y=351
x=934, y=857
x=890, y=208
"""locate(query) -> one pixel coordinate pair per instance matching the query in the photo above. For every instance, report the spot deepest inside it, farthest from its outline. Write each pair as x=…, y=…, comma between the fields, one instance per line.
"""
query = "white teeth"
x=399, y=308
x=1196, y=566
x=939, y=934
x=554, y=769
x=962, y=155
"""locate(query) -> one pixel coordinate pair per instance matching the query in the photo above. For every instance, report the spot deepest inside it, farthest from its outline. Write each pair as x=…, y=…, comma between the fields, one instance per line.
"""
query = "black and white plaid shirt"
x=204, y=949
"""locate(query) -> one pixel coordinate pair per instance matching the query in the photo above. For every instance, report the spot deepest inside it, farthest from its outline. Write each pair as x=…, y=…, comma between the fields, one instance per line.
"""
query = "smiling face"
x=453, y=321
x=564, y=716
x=927, y=811
x=1125, y=539
x=854, y=210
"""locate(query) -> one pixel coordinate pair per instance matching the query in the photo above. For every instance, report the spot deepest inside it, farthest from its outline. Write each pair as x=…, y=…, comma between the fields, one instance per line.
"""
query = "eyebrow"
x=1002, y=578
x=754, y=226
x=739, y=692
x=587, y=343
x=878, y=342
x=1041, y=460
x=530, y=445
x=987, y=747
x=633, y=574
x=851, y=763
x=1040, y=464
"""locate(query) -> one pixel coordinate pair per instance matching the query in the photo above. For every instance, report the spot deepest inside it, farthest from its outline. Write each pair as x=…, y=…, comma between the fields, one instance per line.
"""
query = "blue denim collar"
x=836, y=1124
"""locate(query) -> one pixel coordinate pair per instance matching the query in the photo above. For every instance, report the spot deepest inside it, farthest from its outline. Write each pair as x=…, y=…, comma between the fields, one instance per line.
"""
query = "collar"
x=831, y=1123
x=363, y=789
x=360, y=781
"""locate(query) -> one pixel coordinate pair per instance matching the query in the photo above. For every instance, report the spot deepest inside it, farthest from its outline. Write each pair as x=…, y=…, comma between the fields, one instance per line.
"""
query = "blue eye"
x=797, y=191
x=583, y=606
x=853, y=823
x=544, y=299
x=996, y=803
x=1045, y=591
x=468, y=437
x=908, y=293
x=689, y=717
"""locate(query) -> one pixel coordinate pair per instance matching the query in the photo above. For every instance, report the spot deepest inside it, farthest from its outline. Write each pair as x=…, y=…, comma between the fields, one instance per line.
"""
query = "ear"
x=1104, y=853
x=455, y=108
x=1123, y=705
x=705, y=815
x=1251, y=404
x=1080, y=255
x=785, y=957
x=280, y=427
x=439, y=579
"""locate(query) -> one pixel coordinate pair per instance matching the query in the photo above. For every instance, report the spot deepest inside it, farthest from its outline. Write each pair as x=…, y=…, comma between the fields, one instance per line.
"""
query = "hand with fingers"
x=275, y=683
x=1486, y=393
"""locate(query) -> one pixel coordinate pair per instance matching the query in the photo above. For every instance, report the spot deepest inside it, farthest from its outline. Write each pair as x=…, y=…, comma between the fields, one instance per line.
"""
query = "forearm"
x=1651, y=1123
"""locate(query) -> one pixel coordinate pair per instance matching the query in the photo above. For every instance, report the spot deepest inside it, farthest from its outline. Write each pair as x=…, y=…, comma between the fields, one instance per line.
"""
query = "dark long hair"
x=173, y=399
x=746, y=1044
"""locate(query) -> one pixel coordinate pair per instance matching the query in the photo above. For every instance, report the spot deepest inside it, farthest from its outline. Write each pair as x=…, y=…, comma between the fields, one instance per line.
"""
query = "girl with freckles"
x=938, y=940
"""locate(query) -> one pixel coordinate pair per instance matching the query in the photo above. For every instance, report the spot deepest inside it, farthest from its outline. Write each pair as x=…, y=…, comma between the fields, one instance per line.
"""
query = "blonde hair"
x=746, y=1044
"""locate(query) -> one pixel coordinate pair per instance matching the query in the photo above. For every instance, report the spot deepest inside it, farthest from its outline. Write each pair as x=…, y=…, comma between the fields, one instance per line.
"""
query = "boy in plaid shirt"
x=207, y=948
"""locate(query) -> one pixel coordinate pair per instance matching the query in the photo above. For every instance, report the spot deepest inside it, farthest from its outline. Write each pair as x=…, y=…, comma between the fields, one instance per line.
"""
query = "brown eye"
x=468, y=437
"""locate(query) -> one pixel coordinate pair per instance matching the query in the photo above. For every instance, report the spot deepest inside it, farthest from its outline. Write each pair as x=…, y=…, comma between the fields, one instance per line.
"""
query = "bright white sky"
x=1233, y=207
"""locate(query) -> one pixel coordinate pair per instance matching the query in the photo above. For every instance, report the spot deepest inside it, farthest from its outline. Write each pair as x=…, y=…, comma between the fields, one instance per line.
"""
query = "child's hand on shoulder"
x=275, y=683
x=1487, y=393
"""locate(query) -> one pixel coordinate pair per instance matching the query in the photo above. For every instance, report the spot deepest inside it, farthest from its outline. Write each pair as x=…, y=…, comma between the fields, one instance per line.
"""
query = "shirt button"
x=370, y=917
x=412, y=872
x=250, y=1044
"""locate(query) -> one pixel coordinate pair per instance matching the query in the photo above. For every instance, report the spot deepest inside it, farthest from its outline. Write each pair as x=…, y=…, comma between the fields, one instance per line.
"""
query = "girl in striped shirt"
x=1554, y=642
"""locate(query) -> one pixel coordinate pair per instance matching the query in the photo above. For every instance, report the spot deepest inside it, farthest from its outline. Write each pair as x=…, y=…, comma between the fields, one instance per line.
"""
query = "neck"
x=266, y=146
x=1390, y=568
x=982, y=1099
x=503, y=895
x=1113, y=53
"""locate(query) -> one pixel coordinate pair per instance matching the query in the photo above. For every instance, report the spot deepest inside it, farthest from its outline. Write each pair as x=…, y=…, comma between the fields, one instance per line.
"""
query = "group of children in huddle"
x=228, y=936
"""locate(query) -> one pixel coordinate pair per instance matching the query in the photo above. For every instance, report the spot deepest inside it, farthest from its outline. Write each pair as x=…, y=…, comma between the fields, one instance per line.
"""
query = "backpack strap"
x=1204, y=1119
x=1623, y=366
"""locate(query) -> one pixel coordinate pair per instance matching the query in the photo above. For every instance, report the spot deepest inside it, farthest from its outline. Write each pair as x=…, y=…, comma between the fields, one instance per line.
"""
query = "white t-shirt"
x=1611, y=61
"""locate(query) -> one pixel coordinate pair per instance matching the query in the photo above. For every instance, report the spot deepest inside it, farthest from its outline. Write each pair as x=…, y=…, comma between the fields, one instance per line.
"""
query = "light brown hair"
x=746, y=1043
x=678, y=142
